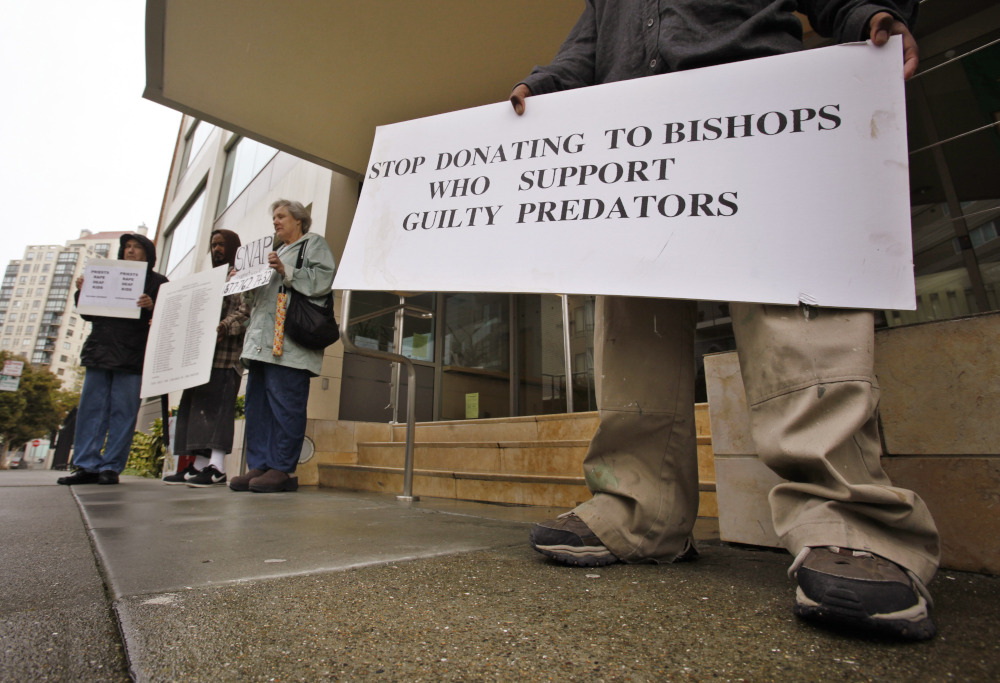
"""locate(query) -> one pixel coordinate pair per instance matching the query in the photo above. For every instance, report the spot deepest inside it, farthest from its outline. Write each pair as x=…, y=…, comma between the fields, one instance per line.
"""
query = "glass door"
x=475, y=366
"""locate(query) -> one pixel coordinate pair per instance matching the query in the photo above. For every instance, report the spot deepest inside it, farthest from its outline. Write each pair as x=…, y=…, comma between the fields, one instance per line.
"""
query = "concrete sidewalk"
x=167, y=583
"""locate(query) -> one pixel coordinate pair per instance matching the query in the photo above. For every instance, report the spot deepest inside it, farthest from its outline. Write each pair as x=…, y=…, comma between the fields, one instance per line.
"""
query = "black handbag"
x=308, y=324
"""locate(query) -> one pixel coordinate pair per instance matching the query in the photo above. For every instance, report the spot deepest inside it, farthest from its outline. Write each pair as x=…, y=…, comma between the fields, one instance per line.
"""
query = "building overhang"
x=315, y=77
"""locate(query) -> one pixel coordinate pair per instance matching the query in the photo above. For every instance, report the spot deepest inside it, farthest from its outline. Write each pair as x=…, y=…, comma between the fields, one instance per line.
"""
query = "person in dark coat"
x=113, y=355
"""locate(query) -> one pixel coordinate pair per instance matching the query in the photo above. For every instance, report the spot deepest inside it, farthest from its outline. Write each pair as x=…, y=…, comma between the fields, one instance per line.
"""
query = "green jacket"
x=314, y=279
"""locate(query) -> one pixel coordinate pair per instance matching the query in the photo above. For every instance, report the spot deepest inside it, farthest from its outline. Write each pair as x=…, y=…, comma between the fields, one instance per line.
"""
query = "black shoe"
x=570, y=541
x=78, y=477
x=859, y=590
x=107, y=477
x=207, y=477
x=181, y=477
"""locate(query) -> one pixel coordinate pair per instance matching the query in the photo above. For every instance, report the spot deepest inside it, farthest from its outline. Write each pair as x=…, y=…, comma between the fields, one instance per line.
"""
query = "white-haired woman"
x=280, y=369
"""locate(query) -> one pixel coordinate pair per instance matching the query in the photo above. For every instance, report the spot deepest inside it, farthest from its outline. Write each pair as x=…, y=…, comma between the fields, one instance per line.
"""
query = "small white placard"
x=112, y=288
x=183, y=333
x=251, y=266
x=8, y=383
x=13, y=368
x=774, y=180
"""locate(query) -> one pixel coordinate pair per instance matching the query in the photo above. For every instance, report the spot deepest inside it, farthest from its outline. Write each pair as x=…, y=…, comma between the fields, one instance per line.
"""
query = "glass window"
x=194, y=141
x=48, y=256
x=376, y=312
x=244, y=160
x=102, y=250
x=476, y=356
x=182, y=236
x=540, y=354
x=29, y=256
x=953, y=110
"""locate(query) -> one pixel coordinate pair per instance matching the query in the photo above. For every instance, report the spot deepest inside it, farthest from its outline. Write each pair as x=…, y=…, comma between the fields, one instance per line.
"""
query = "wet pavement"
x=165, y=583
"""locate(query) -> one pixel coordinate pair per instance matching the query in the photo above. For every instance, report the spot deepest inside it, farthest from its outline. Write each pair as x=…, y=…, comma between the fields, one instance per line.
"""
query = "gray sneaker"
x=569, y=540
x=859, y=590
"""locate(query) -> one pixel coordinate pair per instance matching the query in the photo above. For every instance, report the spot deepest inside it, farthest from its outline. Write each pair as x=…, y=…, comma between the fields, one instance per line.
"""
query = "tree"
x=36, y=409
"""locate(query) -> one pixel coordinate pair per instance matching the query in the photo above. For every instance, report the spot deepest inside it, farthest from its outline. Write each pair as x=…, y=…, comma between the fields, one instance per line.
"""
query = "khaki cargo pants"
x=813, y=401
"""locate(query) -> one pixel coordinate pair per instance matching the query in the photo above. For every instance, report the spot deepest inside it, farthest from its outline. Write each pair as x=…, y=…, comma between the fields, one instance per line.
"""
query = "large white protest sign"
x=183, y=333
x=251, y=266
x=112, y=288
x=775, y=180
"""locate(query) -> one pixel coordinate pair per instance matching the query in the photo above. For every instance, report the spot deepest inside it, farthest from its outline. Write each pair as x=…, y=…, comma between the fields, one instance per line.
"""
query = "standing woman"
x=280, y=369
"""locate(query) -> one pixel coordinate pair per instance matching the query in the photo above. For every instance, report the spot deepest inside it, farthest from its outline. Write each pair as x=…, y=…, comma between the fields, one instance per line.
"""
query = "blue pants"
x=276, y=416
x=109, y=406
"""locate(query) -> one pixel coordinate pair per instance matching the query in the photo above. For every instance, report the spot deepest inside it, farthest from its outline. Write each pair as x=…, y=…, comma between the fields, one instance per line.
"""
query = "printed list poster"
x=183, y=333
x=112, y=288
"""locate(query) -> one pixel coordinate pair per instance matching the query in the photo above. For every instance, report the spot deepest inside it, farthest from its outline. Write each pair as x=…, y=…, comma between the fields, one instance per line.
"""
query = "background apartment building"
x=37, y=316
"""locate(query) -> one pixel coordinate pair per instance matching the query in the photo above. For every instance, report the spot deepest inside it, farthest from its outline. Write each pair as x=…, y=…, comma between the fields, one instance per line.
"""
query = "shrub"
x=145, y=458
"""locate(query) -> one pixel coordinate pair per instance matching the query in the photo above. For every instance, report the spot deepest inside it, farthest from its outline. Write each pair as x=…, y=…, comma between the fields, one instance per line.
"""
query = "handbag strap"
x=298, y=263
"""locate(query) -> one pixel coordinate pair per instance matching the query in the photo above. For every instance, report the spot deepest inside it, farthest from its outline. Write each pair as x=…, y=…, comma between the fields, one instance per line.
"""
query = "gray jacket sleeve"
x=573, y=65
x=847, y=21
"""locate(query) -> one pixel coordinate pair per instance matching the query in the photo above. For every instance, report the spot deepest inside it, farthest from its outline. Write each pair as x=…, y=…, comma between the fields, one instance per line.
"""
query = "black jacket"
x=120, y=343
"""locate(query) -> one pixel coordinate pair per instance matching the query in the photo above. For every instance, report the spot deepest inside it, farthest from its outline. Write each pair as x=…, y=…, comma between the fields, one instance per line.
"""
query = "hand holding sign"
x=251, y=268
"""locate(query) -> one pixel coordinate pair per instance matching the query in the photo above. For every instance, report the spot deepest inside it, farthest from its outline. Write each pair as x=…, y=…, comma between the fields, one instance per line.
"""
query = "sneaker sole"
x=842, y=607
x=206, y=486
x=578, y=556
x=173, y=483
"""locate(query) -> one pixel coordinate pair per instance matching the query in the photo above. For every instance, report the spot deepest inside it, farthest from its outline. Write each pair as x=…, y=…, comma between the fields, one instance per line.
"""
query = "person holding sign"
x=113, y=355
x=280, y=368
x=864, y=550
x=206, y=413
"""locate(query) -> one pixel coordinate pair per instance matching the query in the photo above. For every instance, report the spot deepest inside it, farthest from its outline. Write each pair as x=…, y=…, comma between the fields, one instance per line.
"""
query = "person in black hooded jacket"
x=113, y=355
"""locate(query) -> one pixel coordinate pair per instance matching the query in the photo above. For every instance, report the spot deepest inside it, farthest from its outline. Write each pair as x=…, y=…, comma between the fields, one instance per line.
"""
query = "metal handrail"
x=411, y=384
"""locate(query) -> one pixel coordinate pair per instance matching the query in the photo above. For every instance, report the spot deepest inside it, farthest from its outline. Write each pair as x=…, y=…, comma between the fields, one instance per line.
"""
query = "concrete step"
x=509, y=488
x=535, y=460
x=573, y=426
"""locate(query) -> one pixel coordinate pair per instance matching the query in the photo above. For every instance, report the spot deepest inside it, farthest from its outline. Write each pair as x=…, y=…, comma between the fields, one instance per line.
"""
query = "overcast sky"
x=79, y=147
